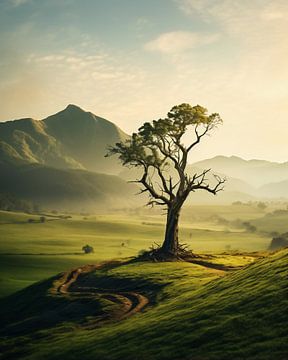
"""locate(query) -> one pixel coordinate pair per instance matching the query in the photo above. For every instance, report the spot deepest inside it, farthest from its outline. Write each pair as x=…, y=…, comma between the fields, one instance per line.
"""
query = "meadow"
x=31, y=250
x=193, y=312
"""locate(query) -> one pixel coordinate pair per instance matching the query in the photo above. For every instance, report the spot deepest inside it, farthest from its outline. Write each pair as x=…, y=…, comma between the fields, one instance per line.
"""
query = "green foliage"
x=10, y=202
x=249, y=227
x=159, y=145
x=261, y=205
x=88, y=249
x=279, y=242
x=155, y=142
x=156, y=148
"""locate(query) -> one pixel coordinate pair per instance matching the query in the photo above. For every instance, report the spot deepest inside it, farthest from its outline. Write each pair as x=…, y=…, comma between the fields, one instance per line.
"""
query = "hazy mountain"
x=253, y=172
x=59, y=162
x=274, y=190
x=65, y=189
x=72, y=138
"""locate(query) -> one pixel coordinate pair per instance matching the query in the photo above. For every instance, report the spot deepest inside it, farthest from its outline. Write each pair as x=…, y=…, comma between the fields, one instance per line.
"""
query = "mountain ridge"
x=71, y=138
x=255, y=172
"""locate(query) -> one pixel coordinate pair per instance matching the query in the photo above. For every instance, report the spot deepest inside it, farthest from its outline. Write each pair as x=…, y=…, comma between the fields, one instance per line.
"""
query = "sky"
x=130, y=61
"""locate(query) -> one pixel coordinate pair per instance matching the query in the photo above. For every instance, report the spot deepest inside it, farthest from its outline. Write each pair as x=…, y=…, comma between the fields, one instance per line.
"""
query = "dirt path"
x=72, y=284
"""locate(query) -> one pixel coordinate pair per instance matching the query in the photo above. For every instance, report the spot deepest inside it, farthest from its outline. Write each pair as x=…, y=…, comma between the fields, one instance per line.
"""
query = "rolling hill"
x=66, y=189
x=190, y=312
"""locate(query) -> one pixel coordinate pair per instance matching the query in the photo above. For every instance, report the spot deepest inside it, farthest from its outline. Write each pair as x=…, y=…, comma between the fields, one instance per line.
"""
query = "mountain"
x=66, y=189
x=254, y=172
x=274, y=190
x=60, y=162
x=72, y=138
x=245, y=188
x=53, y=162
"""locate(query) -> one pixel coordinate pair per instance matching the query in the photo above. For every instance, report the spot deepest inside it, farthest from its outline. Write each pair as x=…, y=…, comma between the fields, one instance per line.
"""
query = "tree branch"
x=214, y=190
x=149, y=187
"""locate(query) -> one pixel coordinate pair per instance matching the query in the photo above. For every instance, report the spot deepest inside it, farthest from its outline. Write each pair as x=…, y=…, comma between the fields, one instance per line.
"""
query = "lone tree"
x=87, y=249
x=158, y=149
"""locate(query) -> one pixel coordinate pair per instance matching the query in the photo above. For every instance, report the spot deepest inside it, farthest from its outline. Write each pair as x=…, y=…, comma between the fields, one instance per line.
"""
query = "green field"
x=30, y=252
x=194, y=311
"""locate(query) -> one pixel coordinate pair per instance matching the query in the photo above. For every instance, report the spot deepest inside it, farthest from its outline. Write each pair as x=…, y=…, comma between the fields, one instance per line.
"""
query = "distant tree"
x=237, y=203
x=156, y=149
x=42, y=219
x=279, y=242
x=261, y=205
x=249, y=227
x=87, y=249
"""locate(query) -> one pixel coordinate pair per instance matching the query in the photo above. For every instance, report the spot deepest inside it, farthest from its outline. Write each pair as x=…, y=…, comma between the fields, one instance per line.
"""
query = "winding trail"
x=72, y=284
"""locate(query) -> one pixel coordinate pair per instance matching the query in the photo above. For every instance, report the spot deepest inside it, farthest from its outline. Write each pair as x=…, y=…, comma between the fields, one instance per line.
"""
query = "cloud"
x=248, y=19
x=16, y=3
x=179, y=41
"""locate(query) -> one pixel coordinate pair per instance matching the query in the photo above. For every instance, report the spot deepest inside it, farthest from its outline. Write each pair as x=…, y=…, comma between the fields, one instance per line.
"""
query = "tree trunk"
x=171, y=244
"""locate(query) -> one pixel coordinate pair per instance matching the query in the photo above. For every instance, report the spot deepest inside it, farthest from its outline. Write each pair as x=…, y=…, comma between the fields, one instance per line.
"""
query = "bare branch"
x=213, y=190
x=149, y=186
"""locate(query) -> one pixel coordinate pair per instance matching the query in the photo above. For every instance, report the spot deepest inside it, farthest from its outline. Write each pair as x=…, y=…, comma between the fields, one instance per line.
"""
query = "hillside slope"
x=72, y=138
x=65, y=189
x=243, y=315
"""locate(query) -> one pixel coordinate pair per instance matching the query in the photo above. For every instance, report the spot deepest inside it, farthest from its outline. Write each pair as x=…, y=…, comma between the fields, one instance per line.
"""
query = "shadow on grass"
x=41, y=306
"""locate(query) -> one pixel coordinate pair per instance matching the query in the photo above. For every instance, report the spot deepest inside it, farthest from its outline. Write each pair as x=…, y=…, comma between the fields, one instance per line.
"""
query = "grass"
x=196, y=312
x=30, y=252
x=200, y=313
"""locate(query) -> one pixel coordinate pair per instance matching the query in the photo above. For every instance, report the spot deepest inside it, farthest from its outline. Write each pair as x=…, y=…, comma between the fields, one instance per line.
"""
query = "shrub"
x=249, y=227
x=279, y=242
x=88, y=249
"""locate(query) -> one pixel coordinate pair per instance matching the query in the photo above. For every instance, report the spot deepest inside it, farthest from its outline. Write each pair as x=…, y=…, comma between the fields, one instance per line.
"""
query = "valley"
x=60, y=195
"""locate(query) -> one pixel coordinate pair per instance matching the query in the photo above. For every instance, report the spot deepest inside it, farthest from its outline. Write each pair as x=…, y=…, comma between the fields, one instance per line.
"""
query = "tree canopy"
x=161, y=152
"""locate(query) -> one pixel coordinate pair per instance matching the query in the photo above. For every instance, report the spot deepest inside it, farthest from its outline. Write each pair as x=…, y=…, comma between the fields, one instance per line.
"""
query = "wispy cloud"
x=179, y=41
x=248, y=19
x=233, y=62
x=16, y=3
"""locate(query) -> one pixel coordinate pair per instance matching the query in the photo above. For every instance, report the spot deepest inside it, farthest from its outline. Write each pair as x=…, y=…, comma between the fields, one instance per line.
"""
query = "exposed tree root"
x=157, y=254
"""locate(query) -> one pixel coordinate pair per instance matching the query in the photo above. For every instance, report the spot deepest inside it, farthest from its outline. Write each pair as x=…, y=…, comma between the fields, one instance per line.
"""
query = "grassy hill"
x=193, y=312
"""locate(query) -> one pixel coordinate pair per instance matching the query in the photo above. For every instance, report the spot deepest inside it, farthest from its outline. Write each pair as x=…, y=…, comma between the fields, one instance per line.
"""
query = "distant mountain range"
x=59, y=163
x=254, y=172
x=255, y=178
